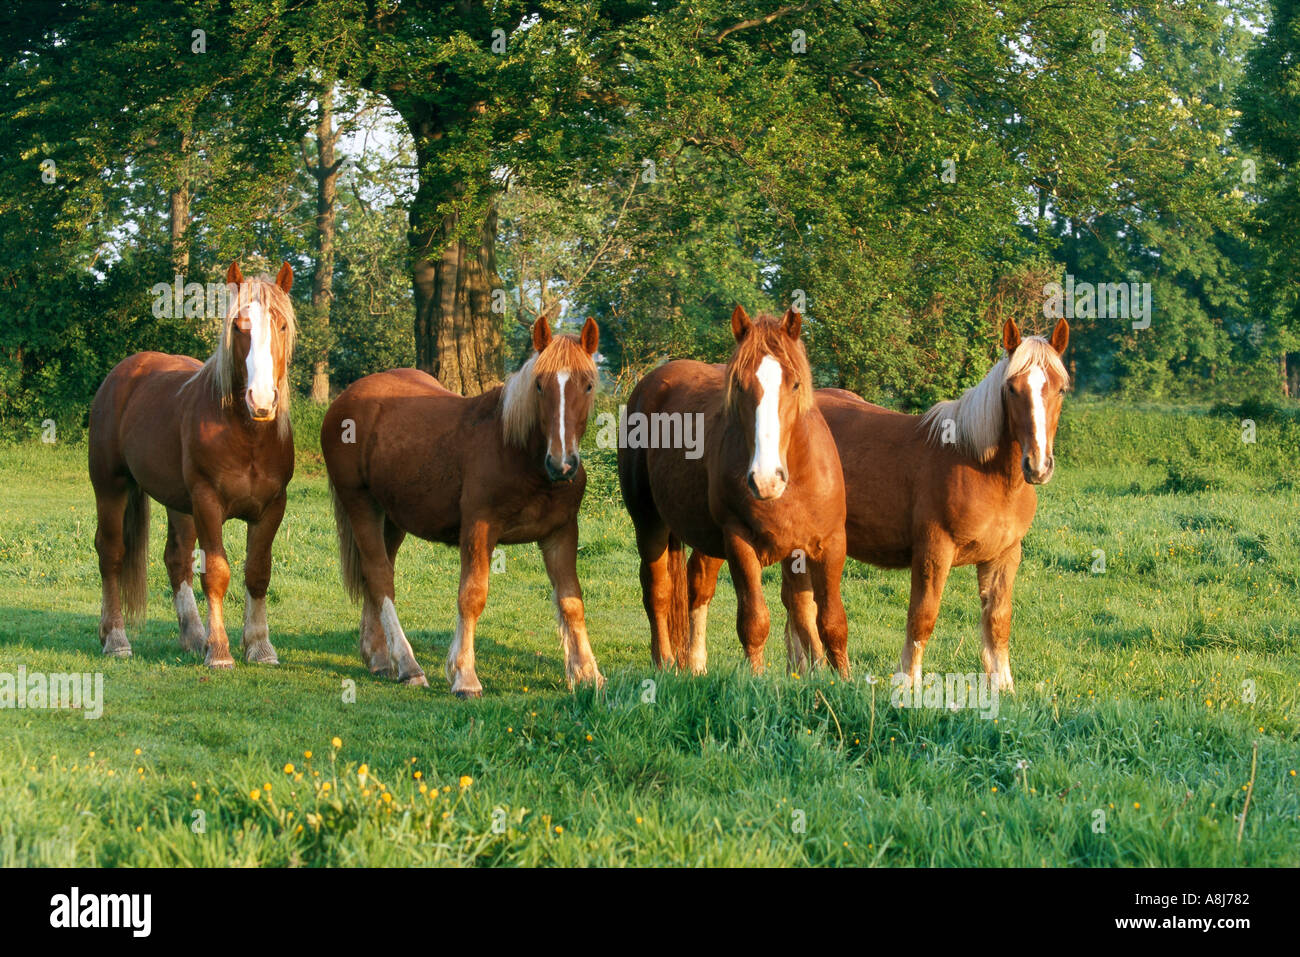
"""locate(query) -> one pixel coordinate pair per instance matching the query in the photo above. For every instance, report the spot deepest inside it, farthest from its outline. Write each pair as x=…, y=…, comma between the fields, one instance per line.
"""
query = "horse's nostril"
x=781, y=474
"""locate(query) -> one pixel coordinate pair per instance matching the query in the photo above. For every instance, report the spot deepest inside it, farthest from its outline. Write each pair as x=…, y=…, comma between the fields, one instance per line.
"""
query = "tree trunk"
x=457, y=336
x=322, y=283
x=178, y=211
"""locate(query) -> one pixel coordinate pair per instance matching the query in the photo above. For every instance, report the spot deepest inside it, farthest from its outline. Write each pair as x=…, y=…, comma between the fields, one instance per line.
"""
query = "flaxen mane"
x=767, y=337
x=519, y=398
x=219, y=371
x=978, y=416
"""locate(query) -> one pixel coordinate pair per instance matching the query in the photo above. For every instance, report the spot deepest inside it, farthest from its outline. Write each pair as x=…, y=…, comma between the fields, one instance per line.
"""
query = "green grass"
x=1130, y=694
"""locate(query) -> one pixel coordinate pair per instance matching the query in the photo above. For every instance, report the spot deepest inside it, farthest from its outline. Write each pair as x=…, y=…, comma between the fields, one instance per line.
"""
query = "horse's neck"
x=1006, y=461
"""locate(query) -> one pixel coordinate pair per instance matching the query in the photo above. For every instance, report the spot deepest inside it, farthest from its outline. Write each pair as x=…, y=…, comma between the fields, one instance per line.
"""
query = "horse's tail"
x=135, y=561
x=349, y=554
x=679, y=612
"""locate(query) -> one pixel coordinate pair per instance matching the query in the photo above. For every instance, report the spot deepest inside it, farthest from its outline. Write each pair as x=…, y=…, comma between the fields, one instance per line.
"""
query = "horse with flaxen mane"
x=952, y=487
x=210, y=441
x=767, y=489
x=406, y=455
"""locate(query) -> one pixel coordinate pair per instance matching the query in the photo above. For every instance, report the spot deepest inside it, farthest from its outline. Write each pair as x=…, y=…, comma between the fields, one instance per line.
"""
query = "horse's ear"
x=1061, y=336
x=233, y=275
x=1010, y=336
x=792, y=322
x=541, y=333
x=284, y=278
x=590, y=336
x=739, y=323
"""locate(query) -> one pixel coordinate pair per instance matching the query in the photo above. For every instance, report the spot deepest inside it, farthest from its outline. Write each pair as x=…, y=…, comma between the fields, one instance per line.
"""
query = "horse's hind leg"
x=930, y=566
x=656, y=588
x=560, y=553
x=832, y=623
x=367, y=524
x=701, y=583
x=374, y=645
x=803, y=645
x=179, y=559
x=996, y=579
x=257, y=577
x=110, y=508
x=476, y=544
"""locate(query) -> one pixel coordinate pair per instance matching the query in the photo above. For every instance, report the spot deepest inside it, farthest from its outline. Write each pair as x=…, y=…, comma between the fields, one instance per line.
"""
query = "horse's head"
x=1032, y=392
x=768, y=388
x=260, y=339
x=563, y=382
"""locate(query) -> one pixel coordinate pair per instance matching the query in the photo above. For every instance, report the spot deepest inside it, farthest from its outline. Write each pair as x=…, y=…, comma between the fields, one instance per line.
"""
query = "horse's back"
x=678, y=385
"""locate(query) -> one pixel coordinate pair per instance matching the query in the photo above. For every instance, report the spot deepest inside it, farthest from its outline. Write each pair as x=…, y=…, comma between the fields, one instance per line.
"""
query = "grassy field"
x=1129, y=742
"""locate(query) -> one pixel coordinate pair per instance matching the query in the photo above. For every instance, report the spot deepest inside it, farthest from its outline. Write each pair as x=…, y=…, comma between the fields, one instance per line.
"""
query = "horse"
x=407, y=456
x=767, y=489
x=955, y=486
x=210, y=441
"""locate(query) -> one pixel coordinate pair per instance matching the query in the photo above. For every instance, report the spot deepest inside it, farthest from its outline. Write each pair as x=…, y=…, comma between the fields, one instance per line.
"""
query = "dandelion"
x=288, y=769
x=325, y=786
x=418, y=775
x=589, y=737
x=138, y=751
x=388, y=798
x=558, y=829
x=336, y=743
x=255, y=794
x=307, y=754
x=466, y=780
x=424, y=789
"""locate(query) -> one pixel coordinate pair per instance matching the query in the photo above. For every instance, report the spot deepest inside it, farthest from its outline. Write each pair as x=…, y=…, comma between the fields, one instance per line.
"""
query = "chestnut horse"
x=406, y=455
x=768, y=488
x=952, y=487
x=210, y=441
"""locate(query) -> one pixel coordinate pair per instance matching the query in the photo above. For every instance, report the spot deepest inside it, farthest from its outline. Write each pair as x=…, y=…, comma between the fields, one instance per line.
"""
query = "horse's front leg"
x=560, y=553
x=476, y=543
x=701, y=583
x=257, y=576
x=996, y=579
x=752, y=621
x=803, y=646
x=214, y=572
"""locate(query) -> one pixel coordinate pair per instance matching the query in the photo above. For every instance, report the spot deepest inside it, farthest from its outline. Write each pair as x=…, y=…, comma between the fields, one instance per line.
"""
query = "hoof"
x=467, y=695
x=261, y=654
x=224, y=664
x=416, y=681
x=115, y=644
x=194, y=644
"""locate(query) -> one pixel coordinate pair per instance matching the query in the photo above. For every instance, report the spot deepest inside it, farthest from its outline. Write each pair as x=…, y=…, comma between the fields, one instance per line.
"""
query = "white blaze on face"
x=260, y=369
x=1037, y=382
x=767, y=430
x=562, y=378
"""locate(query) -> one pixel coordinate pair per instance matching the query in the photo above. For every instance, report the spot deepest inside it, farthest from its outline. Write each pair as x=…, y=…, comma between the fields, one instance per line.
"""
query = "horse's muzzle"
x=1041, y=475
x=565, y=471
x=261, y=413
x=767, y=487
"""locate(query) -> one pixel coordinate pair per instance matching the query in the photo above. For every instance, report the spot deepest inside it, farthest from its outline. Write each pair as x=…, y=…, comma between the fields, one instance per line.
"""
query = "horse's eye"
x=588, y=386
x=795, y=387
x=539, y=385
